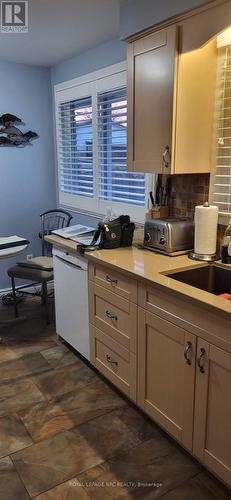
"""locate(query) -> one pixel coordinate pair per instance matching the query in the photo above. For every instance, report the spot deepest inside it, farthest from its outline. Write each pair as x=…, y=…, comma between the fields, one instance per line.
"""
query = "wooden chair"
x=40, y=269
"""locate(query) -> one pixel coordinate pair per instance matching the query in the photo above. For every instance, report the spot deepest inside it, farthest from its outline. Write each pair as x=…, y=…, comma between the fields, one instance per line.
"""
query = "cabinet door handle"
x=201, y=360
x=110, y=280
x=188, y=352
x=111, y=316
x=166, y=157
x=110, y=360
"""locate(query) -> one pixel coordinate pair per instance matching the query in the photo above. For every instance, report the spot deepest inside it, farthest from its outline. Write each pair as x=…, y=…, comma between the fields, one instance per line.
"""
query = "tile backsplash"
x=187, y=192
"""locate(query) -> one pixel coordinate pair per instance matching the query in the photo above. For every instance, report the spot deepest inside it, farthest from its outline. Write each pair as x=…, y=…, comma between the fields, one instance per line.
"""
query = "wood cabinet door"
x=151, y=95
x=212, y=423
x=166, y=375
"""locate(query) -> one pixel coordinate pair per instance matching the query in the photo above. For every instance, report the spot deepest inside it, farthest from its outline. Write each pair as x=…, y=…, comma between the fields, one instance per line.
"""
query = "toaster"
x=169, y=235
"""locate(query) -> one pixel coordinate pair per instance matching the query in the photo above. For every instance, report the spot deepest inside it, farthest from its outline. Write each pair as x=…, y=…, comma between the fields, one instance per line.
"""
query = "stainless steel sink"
x=211, y=278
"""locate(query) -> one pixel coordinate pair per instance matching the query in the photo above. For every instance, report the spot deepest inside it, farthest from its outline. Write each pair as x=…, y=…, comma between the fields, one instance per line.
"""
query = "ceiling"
x=59, y=29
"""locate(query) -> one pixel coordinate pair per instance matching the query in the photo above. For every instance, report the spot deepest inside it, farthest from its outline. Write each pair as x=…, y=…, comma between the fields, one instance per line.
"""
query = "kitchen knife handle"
x=151, y=198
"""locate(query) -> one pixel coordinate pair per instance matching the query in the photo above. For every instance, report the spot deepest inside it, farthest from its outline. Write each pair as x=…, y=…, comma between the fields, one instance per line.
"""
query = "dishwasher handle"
x=75, y=266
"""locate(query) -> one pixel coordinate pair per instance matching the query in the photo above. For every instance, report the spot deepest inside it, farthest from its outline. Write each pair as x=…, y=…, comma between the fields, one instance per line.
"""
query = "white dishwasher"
x=71, y=299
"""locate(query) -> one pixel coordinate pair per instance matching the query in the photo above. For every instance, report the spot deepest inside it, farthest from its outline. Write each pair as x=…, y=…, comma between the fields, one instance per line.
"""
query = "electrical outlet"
x=29, y=256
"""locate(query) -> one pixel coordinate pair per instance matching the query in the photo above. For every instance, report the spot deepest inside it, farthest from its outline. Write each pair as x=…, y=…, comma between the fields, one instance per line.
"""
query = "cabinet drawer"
x=115, y=362
x=114, y=281
x=113, y=315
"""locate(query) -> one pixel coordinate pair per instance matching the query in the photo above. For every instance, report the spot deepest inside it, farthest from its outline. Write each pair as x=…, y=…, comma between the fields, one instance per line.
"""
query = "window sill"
x=80, y=211
x=94, y=215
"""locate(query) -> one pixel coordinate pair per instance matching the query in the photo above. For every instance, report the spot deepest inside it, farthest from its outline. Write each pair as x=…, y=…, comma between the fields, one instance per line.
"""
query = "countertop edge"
x=189, y=293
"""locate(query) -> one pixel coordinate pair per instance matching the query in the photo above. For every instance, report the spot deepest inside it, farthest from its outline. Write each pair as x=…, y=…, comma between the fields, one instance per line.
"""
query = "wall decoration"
x=10, y=135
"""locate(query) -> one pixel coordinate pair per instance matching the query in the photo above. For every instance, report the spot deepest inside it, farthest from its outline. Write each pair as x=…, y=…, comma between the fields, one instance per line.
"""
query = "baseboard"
x=29, y=289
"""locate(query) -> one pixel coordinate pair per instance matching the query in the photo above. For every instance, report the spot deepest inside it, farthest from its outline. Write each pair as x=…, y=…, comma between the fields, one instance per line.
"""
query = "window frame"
x=219, y=108
x=92, y=84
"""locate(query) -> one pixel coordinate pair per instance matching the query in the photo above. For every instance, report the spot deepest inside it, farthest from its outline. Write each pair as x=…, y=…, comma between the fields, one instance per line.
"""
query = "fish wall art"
x=10, y=135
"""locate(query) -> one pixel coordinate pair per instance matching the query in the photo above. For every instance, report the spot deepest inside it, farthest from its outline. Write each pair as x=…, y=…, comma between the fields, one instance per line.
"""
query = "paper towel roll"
x=206, y=219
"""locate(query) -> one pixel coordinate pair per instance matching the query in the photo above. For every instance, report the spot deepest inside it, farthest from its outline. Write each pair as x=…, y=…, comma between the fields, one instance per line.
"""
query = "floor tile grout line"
x=17, y=451
x=36, y=384
x=11, y=380
x=20, y=478
x=34, y=374
x=66, y=430
x=87, y=469
x=159, y=497
x=63, y=482
x=110, y=457
x=45, y=400
x=13, y=412
x=169, y=490
x=59, y=395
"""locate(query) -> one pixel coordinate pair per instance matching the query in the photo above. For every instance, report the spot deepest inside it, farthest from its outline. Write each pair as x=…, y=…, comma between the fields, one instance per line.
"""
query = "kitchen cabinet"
x=163, y=346
x=212, y=424
x=171, y=96
x=114, y=315
x=114, y=361
x=113, y=326
x=164, y=352
x=151, y=73
x=166, y=375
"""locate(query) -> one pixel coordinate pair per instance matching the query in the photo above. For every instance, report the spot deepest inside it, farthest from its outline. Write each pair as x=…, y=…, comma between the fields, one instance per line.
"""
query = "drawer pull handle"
x=201, y=360
x=188, y=353
x=110, y=360
x=111, y=316
x=110, y=280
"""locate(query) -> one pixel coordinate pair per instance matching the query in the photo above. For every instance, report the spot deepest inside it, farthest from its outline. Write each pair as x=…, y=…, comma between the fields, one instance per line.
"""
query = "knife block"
x=157, y=212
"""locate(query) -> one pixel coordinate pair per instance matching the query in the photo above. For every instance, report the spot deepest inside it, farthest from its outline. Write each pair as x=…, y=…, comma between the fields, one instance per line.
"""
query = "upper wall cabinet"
x=171, y=95
x=151, y=74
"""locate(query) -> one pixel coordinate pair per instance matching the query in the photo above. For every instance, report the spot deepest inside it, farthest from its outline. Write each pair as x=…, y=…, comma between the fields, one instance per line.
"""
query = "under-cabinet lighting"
x=224, y=38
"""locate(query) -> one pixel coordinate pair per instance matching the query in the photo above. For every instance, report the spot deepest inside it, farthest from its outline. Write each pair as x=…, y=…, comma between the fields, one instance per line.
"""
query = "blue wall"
x=136, y=15
x=27, y=176
x=103, y=55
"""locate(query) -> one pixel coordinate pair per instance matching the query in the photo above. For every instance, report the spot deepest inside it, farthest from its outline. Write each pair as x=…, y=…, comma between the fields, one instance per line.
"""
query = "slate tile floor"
x=66, y=434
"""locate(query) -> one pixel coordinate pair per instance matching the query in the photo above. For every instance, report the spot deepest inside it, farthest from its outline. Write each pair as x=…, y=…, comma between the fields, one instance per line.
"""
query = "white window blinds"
x=91, y=118
x=76, y=147
x=221, y=179
x=115, y=183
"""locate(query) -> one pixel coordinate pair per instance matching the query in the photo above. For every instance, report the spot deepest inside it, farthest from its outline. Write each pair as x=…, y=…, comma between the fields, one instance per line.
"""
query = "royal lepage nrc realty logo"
x=14, y=16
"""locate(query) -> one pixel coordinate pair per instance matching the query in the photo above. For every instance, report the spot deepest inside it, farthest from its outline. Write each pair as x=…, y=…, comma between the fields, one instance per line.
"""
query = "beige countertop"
x=151, y=267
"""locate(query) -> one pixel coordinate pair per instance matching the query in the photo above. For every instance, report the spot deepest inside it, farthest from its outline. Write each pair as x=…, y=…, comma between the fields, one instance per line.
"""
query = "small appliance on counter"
x=170, y=236
x=205, y=240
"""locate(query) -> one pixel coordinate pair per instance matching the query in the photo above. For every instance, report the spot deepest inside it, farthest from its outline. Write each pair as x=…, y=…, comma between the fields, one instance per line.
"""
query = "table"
x=4, y=254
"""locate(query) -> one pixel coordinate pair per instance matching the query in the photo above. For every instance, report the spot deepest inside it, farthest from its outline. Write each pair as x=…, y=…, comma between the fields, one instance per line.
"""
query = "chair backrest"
x=50, y=220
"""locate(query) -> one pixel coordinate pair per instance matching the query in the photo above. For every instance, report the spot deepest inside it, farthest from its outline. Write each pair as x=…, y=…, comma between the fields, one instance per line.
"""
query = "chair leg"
x=14, y=297
x=43, y=293
x=45, y=299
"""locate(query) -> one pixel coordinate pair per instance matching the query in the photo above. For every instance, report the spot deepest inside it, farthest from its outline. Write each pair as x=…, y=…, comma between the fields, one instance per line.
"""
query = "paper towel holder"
x=204, y=257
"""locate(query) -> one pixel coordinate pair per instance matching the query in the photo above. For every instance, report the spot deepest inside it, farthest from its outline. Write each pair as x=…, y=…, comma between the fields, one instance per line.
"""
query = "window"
x=115, y=183
x=91, y=119
x=76, y=147
x=220, y=189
